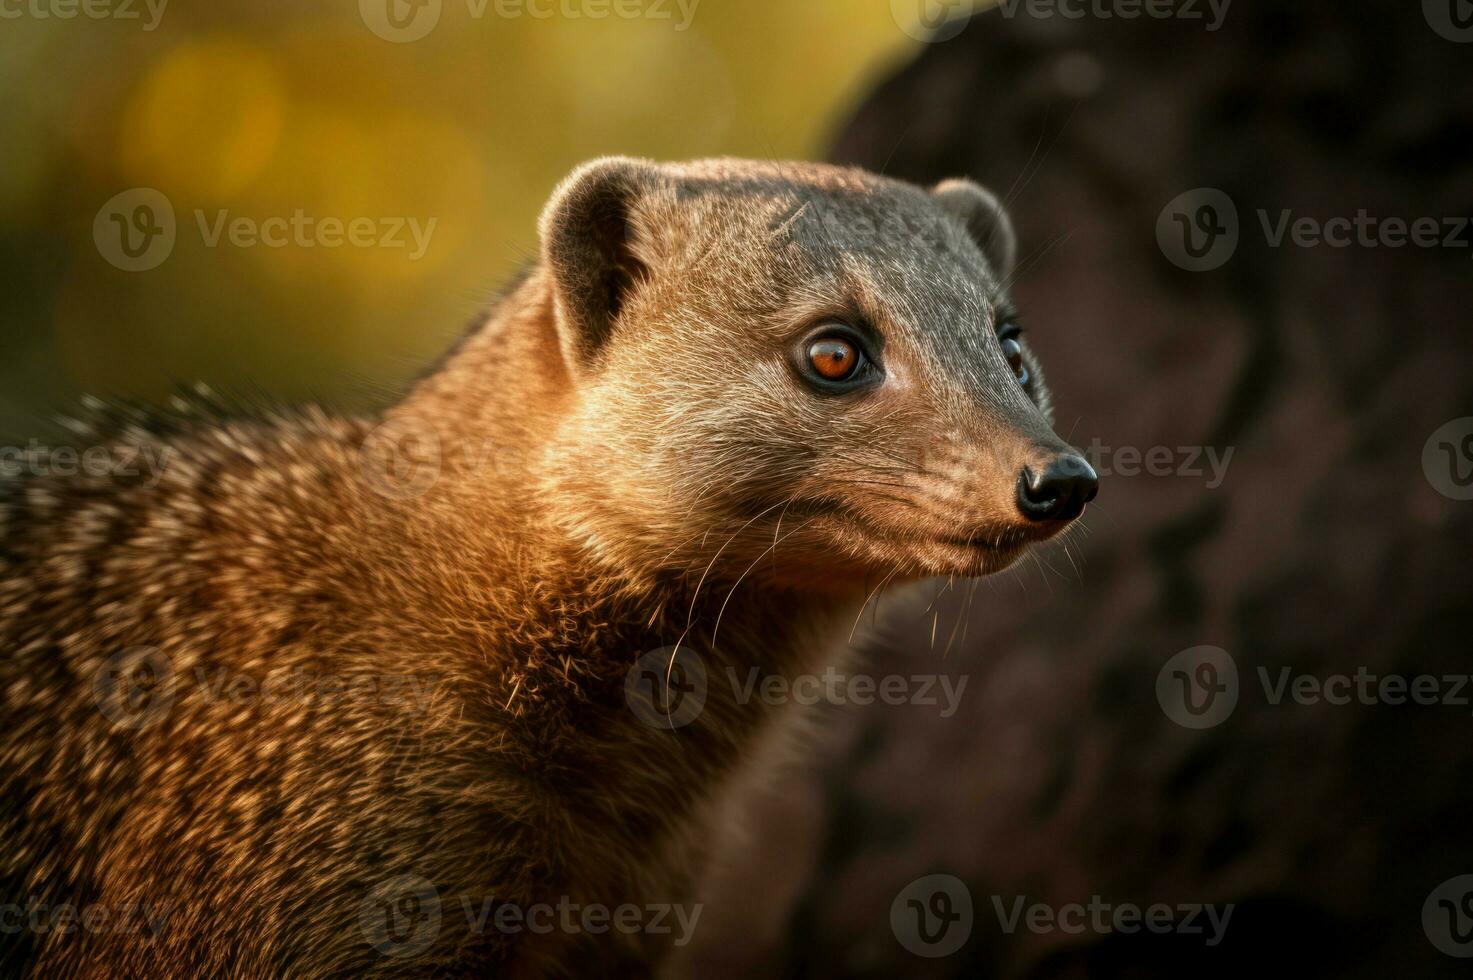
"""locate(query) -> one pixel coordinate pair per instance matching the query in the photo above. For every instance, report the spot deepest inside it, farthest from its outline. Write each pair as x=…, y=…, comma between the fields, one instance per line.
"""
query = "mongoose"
x=333, y=695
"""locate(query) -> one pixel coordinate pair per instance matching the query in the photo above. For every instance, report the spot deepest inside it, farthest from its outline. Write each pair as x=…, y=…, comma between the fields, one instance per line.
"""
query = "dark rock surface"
x=1326, y=550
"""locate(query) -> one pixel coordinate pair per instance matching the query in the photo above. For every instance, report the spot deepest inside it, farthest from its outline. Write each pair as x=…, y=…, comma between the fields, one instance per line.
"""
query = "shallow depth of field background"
x=260, y=109
x=1337, y=543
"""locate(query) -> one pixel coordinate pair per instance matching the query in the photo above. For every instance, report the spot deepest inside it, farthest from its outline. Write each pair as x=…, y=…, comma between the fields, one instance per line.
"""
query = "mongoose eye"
x=1013, y=351
x=834, y=358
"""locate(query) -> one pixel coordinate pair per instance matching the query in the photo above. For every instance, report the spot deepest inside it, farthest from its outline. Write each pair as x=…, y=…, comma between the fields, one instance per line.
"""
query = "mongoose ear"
x=982, y=213
x=589, y=246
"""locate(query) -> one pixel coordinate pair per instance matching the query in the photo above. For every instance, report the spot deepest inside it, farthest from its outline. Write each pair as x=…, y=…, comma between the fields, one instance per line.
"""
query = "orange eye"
x=833, y=358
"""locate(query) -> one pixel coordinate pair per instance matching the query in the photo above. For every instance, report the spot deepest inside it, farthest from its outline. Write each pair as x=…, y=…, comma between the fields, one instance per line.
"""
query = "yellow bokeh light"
x=204, y=121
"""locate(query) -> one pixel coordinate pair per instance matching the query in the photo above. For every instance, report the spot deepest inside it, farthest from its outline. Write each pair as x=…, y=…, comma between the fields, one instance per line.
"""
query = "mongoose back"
x=333, y=695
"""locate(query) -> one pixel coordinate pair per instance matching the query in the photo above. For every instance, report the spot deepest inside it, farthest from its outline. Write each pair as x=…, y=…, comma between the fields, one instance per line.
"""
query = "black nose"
x=1060, y=492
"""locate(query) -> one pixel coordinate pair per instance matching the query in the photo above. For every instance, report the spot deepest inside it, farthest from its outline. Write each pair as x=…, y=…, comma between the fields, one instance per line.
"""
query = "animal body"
x=338, y=696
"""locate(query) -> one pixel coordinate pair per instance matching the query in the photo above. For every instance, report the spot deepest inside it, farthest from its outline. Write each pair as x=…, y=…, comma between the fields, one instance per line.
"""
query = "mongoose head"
x=796, y=370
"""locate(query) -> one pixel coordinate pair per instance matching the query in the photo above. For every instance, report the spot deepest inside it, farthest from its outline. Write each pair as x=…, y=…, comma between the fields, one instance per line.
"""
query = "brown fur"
x=624, y=459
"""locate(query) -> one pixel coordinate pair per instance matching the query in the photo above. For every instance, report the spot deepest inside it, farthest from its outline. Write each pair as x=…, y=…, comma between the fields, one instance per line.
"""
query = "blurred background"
x=259, y=109
x=1332, y=383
